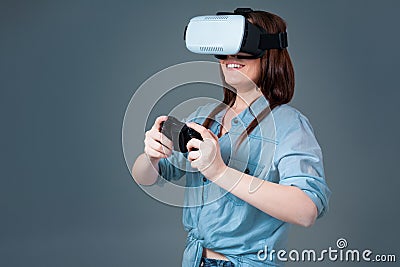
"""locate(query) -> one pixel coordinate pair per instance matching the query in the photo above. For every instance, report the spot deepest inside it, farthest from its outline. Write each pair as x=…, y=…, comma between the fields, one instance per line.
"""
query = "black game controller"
x=179, y=133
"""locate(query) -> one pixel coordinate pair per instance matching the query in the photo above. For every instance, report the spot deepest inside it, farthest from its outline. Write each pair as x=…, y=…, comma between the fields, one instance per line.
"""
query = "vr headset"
x=229, y=33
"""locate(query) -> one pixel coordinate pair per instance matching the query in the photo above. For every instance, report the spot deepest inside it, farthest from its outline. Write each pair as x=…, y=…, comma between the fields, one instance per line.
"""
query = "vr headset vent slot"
x=211, y=48
x=216, y=18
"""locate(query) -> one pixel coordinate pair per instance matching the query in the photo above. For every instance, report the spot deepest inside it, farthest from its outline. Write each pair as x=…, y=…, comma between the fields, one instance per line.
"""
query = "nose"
x=232, y=56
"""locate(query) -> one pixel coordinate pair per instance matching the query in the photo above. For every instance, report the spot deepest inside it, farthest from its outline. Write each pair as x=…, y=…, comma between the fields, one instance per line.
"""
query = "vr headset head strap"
x=238, y=11
x=267, y=40
x=273, y=41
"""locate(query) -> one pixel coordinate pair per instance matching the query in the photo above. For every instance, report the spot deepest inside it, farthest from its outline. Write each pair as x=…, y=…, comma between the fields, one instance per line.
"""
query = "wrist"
x=218, y=173
x=153, y=161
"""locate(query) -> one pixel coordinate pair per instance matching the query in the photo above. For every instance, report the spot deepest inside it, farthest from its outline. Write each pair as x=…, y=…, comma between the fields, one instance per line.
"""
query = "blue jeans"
x=206, y=262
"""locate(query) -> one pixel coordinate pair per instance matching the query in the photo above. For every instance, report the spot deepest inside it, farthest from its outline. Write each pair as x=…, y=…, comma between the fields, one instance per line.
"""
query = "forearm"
x=145, y=170
x=286, y=203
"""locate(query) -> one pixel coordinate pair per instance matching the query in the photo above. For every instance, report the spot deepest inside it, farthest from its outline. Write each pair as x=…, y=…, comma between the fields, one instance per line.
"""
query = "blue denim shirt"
x=281, y=149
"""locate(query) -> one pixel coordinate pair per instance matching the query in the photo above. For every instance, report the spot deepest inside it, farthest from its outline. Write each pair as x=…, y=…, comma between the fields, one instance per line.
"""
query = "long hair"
x=276, y=81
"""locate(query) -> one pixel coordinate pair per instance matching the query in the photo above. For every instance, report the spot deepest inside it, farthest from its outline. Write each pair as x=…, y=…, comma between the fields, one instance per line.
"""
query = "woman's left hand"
x=207, y=159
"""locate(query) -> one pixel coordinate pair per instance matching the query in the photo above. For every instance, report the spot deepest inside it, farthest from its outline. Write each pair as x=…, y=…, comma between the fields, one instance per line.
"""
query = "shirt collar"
x=246, y=116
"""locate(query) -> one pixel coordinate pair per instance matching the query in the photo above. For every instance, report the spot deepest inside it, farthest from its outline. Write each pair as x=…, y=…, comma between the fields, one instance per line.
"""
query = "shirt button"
x=235, y=121
x=204, y=179
x=247, y=171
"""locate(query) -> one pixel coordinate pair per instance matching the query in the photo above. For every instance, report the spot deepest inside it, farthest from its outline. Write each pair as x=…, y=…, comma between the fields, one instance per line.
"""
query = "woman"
x=242, y=227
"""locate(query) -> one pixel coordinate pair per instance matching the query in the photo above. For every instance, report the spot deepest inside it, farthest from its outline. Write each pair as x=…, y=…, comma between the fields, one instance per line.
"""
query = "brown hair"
x=276, y=81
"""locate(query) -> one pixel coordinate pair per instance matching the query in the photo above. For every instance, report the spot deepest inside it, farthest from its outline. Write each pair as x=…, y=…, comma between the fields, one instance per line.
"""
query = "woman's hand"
x=157, y=145
x=207, y=159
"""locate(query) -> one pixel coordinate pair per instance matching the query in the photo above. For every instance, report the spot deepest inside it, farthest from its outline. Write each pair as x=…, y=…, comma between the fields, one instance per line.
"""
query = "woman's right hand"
x=156, y=144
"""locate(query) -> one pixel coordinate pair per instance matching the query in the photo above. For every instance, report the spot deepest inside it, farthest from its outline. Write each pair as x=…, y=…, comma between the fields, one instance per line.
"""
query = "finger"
x=154, y=154
x=193, y=143
x=213, y=135
x=193, y=155
x=194, y=165
x=161, y=138
x=165, y=141
x=158, y=121
x=158, y=147
x=200, y=129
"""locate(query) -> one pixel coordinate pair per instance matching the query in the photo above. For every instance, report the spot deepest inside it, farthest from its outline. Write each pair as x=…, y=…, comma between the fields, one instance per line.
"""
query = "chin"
x=239, y=82
x=236, y=79
x=233, y=82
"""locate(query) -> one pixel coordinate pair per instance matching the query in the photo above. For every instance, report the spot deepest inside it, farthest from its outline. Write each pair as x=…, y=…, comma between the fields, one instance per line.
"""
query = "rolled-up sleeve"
x=171, y=168
x=300, y=164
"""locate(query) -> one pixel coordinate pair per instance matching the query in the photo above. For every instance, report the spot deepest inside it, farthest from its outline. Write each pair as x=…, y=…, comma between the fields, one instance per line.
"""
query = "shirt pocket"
x=246, y=168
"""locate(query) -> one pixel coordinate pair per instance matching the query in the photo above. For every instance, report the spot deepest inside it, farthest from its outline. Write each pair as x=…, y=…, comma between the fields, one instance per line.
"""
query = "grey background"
x=68, y=70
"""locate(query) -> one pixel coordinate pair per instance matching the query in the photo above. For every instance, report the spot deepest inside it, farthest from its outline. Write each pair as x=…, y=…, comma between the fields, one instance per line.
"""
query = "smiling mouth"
x=234, y=66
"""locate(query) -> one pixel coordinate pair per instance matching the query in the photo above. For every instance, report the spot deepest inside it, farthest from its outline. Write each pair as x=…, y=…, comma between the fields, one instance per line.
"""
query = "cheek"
x=223, y=69
x=254, y=71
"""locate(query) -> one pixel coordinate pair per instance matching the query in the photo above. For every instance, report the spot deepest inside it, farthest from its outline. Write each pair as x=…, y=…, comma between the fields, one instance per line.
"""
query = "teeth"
x=232, y=65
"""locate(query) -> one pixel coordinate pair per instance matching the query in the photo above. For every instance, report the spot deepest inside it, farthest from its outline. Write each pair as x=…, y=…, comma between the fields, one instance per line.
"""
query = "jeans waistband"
x=207, y=262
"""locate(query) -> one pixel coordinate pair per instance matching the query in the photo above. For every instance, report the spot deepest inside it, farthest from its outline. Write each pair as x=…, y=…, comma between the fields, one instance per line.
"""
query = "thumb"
x=213, y=135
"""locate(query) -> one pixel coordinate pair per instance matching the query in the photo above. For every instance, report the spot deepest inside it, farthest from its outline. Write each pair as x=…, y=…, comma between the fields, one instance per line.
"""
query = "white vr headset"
x=230, y=33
